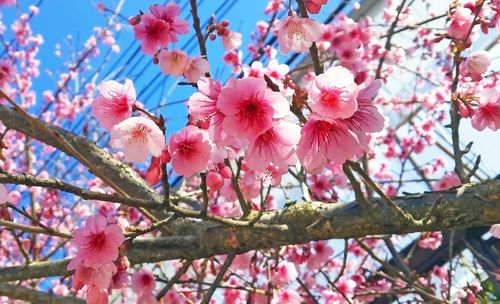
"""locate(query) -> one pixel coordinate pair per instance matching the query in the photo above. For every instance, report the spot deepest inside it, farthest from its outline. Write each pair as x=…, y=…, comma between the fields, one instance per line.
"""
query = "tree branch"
x=34, y=296
x=193, y=240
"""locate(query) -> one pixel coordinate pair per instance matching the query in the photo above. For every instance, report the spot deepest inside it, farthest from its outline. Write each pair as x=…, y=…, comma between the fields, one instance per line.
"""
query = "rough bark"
x=469, y=206
x=34, y=296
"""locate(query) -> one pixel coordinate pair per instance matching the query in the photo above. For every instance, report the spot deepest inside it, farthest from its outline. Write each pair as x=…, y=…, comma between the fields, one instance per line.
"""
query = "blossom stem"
x=313, y=50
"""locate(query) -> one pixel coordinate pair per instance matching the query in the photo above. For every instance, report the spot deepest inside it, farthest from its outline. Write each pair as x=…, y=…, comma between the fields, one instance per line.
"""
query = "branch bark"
x=34, y=296
x=306, y=222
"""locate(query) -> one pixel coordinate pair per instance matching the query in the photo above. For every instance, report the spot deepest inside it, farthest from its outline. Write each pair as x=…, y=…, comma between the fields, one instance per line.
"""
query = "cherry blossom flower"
x=190, y=149
x=96, y=295
x=3, y=193
x=478, y=62
x=196, y=68
x=284, y=273
x=297, y=34
x=173, y=62
x=8, y=2
x=138, y=137
x=367, y=118
x=203, y=104
x=322, y=140
x=143, y=282
x=487, y=114
x=148, y=299
x=99, y=277
x=114, y=104
x=250, y=107
x=495, y=231
x=170, y=15
x=97, y=242
x=153, y=32
x=231, y=40
x=333, y=94
x=448, y=181
x=276, y=146
x=322, y=253
x=430, y=240
x=6, y=72
x=288, y=296
x=459, y=25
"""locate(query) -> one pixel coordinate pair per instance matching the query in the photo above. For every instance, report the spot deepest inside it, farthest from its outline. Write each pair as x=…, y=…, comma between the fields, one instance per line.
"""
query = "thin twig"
x=218, y=279
x=174, y=279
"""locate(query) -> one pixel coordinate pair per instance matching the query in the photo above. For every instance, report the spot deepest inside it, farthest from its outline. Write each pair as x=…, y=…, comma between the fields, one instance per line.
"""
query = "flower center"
x=296, y=32
x=97, y=241
x=330, y=98
x=139, y=133
x=186, y=148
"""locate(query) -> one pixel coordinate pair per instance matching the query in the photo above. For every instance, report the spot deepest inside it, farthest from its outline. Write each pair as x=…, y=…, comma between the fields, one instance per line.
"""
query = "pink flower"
x=478, y=62
x=495, y=231
x=367, y=118
x=250, y=107
x=284, y=273
x=143, y=282
x=8, y=2
x=138, y=136
x=231, y=40
x=119, y=280
x=276, y=146
x=487, y=114
x=323, y=141
x=430, y=240
x=448, y=181
x=314, y=6
x=97, y=243
x=203, y=104
x=114, y=104
x=97, y=295
x=173, y=62
x=333, y=94
x=3, y=194
x=149, y=299
x=196, y=68
x=190, y=149
x=288, y=296
x=99, y=277
x=153, y=32
x=297, y=34
x=322, y=254
x=170, y=14
x=6, y=71
x=459, y=25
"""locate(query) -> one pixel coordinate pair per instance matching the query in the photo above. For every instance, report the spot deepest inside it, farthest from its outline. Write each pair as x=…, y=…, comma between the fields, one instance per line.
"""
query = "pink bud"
x=226, y=172
x=214, y=181
x=478, y=62
x=154, y=173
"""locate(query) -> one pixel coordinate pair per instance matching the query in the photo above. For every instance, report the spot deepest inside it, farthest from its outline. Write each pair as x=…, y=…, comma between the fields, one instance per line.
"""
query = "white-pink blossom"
x=138, y=137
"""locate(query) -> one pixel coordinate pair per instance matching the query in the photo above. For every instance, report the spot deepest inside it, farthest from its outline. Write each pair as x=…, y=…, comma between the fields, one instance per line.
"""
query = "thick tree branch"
x=34, y=296
x=306, y=222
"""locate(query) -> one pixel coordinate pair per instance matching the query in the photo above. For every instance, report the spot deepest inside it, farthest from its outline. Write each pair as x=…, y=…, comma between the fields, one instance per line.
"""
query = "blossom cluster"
x=96, y=264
